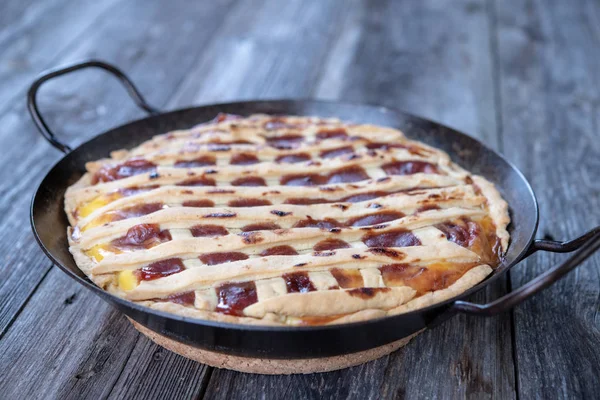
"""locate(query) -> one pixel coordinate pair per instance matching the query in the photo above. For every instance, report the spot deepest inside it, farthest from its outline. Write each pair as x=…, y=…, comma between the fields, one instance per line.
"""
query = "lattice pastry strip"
x=336, y=171
x=202, y=153
x=91, y=203
x=287, y=216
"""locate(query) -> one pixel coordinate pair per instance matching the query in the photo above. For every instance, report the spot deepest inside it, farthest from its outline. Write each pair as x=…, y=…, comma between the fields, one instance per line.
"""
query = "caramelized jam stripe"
x=234, y=297
x=142, y=236
x=394, y=238
x=348, y=278
x=298, y=282
x=202, y=161
x=222, y=257
x=160, y=269
x=208, y=230
x=424, y=279
x=129, y=168
x=283, y=250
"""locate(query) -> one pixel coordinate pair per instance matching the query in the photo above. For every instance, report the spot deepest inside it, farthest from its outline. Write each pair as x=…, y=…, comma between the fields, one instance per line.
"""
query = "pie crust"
x=284, y=220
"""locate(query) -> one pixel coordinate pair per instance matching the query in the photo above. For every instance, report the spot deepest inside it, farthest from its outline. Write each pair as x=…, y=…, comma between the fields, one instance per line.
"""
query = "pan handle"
x=586, y=245
x=46, y=76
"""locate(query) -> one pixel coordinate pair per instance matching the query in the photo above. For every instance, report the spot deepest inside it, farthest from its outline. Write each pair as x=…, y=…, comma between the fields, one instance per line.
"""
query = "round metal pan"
x=50, y=224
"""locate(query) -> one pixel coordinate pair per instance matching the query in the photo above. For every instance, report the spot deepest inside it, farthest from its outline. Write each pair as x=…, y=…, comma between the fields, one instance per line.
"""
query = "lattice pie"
x=284, y=220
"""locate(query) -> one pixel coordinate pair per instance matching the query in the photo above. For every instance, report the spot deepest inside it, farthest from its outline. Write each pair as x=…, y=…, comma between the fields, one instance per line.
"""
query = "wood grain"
x=550, y=103
x=51, y=348
x=90, y=102
x=522, y=76
x=32, y=34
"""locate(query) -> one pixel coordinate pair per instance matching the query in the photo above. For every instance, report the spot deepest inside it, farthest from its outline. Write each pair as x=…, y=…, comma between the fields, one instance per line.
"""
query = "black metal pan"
x=50, y=224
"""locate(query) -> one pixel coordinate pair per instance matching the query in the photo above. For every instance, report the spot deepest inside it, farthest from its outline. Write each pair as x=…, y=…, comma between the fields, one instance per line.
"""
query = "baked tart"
x=284, y=220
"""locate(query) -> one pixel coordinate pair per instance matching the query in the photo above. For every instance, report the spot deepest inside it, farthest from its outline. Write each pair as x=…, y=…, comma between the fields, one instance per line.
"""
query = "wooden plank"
x=152, y=372
x=435, y=60
x=549, y=89
x=93, y=357
x=14, y=12
x=32, y=34
x=51, y=348
x=36, y=35
x=87, y=102
x=276, y=54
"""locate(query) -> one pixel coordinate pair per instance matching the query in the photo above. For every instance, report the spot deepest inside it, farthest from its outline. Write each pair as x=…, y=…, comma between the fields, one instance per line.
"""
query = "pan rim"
x=110, y=298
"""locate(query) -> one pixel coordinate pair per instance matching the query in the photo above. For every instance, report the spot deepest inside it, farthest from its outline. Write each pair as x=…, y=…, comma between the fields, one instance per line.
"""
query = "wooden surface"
x=521, y=75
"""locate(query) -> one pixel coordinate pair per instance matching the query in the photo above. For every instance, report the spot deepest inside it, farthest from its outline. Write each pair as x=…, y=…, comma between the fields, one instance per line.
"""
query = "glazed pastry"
x=284, y=220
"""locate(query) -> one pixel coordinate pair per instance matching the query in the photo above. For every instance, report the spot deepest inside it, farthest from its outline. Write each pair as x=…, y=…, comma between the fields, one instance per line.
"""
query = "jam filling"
x=243, y=159
x=185, y=299
x=340, y=151
x=249, y=203
x=326, y=223
x=339, y=133
x=412, y=149
x=293, y=158
x=285, y=142
x=198, y=181
x=249, y=181
x=160, y=269
x=375, y=219
x=203, y=161
x=303, y=180
x=234, y=297
x=142, y=236
x=428, y=207
x=251, y=237
x=348, y=174
x=367, y=220
x=357, y=198
x=330, y=244
x=479, y=237
x=348, y=278
x=342, y=175
x=424, y=279
x=220, y=258
x=298, y=282
x=304, y=201
x=133, y=211
x=208, y=231
x=279, y=251
x=129, y=168
x=409, y=167
x=461, y=234
x=264, y=226
x=395, y=238
x=198, y=203
x=367, y=293
x=133, y=190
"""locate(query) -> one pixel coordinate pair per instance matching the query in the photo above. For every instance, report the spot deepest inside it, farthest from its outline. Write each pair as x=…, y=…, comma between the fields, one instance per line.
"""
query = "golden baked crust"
x=284, y=220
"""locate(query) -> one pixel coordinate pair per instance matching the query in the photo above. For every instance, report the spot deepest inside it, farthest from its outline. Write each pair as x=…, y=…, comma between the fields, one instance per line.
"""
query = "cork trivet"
x=272, y=366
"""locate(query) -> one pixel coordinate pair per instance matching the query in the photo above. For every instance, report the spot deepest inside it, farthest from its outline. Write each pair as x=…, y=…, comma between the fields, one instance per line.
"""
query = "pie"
x=284, y=220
